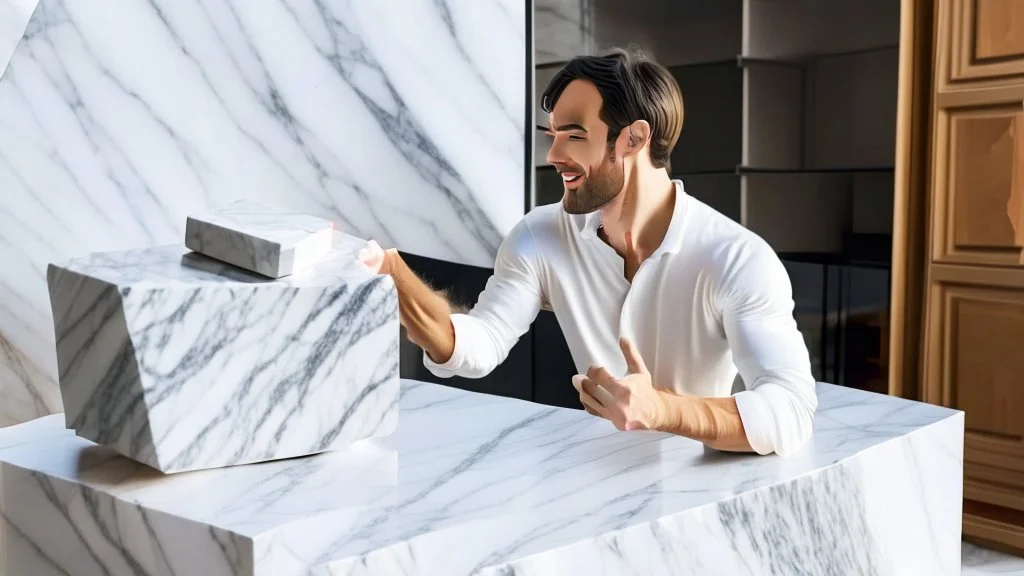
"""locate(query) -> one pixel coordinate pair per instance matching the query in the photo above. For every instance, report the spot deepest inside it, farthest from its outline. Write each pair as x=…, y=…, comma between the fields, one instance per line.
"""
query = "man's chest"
x=663, y=305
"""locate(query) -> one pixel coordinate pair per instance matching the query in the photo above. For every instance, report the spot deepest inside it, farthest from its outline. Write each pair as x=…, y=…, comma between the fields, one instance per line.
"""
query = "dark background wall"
x=538, y=368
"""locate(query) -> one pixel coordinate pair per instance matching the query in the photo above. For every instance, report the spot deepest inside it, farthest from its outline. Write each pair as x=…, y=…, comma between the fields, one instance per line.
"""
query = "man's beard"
x=599, y=187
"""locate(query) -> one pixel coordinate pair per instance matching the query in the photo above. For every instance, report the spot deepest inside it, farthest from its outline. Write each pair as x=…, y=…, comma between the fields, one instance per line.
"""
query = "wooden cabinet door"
x=978, y=182
x=985, y=40
x=973, y=345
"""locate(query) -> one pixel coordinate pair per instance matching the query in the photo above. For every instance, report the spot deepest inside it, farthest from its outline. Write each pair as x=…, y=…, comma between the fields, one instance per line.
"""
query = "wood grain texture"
x=999, y=29
x=910, y=196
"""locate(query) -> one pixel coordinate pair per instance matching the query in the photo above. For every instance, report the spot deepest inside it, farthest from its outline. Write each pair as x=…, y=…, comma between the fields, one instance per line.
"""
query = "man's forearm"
x=714, y=421
x=425, y=314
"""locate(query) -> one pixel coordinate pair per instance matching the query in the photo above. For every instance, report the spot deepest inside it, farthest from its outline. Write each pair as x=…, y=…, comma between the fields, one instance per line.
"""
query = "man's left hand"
x=630, y=402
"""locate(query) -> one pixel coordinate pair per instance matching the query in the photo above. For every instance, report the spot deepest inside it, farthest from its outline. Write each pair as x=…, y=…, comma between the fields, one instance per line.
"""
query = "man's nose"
x=556, y=155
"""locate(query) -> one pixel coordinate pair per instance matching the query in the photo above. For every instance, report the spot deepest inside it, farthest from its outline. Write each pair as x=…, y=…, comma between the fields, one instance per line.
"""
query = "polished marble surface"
x=403, y=122
x=184, y=362
x=479, y=484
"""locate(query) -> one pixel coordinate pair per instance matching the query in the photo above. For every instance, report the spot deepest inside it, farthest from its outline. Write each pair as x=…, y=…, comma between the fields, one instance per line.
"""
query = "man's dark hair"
x=632, y=88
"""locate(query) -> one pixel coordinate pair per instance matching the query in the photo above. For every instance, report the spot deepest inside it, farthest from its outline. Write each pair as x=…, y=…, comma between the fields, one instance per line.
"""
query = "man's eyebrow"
x=565, y=127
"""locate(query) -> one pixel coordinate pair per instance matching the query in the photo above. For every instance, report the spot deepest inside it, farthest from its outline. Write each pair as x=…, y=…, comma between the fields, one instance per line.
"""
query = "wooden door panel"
x=979, y=186
x=985, y=329
x=974, y=361
x=987, y=361
x=998, y=30
x=982, y=39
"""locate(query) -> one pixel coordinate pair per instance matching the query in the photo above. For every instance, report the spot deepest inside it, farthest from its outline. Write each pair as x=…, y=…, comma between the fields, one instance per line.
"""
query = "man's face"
x=591, y=173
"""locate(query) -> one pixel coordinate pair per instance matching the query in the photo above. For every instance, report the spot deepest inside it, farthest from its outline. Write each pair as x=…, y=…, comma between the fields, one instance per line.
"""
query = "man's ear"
x=636, y=136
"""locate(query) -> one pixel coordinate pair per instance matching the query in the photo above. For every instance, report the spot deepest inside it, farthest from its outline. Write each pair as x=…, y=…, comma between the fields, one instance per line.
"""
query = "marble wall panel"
x=401, y=120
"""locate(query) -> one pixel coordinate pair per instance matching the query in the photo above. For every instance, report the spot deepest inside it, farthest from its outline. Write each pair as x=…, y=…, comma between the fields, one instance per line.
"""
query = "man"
x=660, y=298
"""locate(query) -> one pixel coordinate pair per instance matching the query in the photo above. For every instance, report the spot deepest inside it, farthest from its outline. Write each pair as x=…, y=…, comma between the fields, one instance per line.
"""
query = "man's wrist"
x=688, y=416
x=670, y=418
x=442, y=354
x=391, y=262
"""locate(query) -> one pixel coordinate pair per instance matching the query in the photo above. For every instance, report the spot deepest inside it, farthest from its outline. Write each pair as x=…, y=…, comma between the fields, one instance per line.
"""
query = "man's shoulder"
x=731, y=252
x=537, y=232
x=547, y=225
x=545, y=215
x=723, y=240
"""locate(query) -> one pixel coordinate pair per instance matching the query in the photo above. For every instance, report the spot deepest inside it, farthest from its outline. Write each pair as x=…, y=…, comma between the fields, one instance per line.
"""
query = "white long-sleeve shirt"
x=712, y=299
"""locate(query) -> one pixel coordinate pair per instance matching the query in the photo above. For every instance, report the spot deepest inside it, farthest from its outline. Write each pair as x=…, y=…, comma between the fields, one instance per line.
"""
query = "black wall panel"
x=513, y=378
x=553, y=367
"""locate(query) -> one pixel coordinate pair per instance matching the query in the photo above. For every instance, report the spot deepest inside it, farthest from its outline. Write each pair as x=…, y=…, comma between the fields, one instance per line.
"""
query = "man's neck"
x=644, y=211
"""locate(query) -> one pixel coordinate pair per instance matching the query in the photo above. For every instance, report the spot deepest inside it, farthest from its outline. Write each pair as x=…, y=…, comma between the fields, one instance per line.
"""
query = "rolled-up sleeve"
x=509, y=303
x=756, y=303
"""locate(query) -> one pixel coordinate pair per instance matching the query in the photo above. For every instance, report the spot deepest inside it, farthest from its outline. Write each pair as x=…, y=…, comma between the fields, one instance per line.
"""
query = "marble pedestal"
x=183, y=362
x=477, y=484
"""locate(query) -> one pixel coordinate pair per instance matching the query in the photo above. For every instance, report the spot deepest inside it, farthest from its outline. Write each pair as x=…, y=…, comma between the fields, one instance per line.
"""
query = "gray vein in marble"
x=93, y=131
x=400, y=127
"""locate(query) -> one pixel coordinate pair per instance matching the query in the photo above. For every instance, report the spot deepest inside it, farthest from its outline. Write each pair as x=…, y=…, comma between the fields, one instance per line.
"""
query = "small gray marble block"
x=183, y=362
x=266, y=239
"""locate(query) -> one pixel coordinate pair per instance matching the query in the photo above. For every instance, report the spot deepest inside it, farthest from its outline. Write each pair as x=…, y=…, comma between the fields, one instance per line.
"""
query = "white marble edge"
x=175, y=264
x=498, y=510
x=14, y=16
x=266, y=221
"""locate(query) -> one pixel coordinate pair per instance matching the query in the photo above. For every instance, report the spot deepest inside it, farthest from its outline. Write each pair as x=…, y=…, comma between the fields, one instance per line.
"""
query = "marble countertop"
x=479, y=484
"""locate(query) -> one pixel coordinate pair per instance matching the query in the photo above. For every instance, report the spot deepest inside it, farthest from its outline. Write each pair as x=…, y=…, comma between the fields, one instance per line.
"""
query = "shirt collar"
x=673, y=240
x=591, y=222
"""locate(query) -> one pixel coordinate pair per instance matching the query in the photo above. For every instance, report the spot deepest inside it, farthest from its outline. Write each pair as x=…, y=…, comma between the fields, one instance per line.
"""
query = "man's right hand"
x=425, y=313
x=376, y=258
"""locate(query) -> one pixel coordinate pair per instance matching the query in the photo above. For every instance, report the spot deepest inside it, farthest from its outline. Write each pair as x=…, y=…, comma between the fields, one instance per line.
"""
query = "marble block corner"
x=262, y=238
x=184, y=362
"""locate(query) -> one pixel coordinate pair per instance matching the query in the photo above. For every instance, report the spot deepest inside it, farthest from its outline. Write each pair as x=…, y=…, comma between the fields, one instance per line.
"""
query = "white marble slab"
x=401, y=121
x=184, y=362
x=259, y=237
x=477, y=484
x=14, y=16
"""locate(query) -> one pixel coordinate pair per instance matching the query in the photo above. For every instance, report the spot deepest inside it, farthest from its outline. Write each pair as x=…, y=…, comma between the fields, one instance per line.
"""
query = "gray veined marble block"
x=183, y=362
x=259, y=237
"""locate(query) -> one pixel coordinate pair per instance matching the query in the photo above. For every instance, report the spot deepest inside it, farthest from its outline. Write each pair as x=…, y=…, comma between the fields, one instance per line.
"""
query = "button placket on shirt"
x=626, y=314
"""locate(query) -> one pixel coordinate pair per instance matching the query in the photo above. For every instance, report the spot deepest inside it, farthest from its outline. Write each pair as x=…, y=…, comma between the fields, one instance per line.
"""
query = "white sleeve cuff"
x=758, y=421
x=775, y=418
